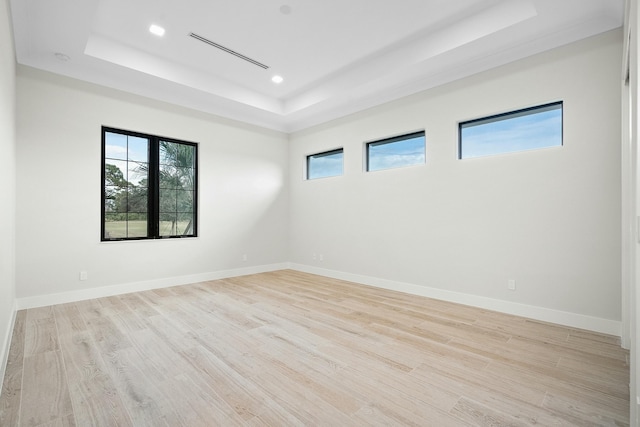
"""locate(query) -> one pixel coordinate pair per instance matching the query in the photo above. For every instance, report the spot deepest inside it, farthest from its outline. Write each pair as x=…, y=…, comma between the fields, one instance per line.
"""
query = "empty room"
x=299, y=213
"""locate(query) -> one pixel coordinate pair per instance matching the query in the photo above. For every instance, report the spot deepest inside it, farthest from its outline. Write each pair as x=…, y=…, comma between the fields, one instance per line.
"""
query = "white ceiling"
x=336, y=57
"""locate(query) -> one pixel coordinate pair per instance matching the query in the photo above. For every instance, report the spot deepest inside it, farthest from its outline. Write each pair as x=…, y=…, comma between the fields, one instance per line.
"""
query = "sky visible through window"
x=326, y=164
x=396, y=153
x=525, y=130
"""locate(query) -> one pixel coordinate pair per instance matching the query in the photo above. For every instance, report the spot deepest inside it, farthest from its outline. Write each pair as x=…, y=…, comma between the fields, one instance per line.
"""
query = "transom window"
x=396, y=152
x=149, y=186
x=521, y=130
x=325, y=164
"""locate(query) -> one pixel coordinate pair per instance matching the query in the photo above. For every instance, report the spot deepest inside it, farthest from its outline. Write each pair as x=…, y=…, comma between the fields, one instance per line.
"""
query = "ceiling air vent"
x=226, y=49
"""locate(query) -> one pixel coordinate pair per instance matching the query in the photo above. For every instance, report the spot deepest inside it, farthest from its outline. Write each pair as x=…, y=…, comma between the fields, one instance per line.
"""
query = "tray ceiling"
x=335, y=57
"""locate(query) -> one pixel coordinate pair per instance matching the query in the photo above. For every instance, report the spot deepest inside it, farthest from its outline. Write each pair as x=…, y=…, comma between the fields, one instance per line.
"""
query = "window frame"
x=322, y=154
x=515, y=113
x=391, y=140
x=153, y=189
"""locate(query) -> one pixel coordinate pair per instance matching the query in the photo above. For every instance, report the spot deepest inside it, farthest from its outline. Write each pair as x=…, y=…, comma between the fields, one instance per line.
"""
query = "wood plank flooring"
x=292, y=349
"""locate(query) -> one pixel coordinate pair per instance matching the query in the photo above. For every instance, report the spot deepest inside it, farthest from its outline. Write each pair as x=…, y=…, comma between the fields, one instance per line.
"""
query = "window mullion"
x=154, y=191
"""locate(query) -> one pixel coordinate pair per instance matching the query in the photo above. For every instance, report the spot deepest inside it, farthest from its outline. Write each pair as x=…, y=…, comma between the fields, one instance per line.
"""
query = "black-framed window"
x=521, y=130
x=397, y=152
x=325, y=164
x=149, y=186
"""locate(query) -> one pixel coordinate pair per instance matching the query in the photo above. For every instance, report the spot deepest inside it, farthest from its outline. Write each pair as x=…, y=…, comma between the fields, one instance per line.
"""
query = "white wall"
x=550, y=219
x=7, y=178
x=243, y=194
x=631, y=205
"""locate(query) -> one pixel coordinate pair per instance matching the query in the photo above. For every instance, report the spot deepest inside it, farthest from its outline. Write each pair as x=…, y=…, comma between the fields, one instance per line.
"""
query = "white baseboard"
x=596, y=324
x=574, y=320
x=6, y=343
x=106, y=291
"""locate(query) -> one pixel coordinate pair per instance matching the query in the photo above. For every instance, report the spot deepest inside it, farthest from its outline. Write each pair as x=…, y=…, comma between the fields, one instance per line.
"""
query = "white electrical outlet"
x=84, y=275
x=244, y=257
x=314, y=256
x=511, y=284
x=321, y=258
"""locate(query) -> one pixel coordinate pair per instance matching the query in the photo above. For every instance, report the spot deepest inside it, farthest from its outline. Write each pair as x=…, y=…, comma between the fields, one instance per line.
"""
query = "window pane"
x=122, y=226
x=109, y=205
x=406, y=150
x=529, y=129
x=168, y=201
x=177, y=195
x=173, y=224
x=187, y=178
x=115, y=173
x=137, y=200
x=184, y=201
x=323, y=165
x=185, y=156
x=137, y=225
x=137, y=173
x=115, y=199
x=168, y=177
x=185, y=223
x=126, y=147
x=115, y=226
x=111, y=196
x=167, y=153
x=125, y=186
x=176, y=154
x=138, y=149
x=168, y=224
x=176, y=166
x=115, y=146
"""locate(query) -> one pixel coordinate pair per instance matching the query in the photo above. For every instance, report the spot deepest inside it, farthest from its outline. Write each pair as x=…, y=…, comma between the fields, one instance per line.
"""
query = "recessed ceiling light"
x=277, y=79
x=157, y=30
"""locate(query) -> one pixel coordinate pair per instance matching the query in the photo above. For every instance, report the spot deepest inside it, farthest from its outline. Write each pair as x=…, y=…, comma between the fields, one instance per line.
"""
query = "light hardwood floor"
x=292, y=349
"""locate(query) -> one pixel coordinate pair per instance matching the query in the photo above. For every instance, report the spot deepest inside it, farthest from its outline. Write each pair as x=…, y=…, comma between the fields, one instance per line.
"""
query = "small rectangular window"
x=326, y=164
x=149, y=187
x=521, y=130
x=396, y=152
